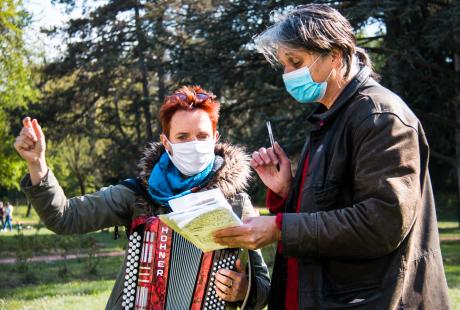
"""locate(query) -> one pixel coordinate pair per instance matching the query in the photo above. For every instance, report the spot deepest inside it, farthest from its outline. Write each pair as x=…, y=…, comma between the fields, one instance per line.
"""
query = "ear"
x=337, y=58
x=165, y=142
x=216, y=136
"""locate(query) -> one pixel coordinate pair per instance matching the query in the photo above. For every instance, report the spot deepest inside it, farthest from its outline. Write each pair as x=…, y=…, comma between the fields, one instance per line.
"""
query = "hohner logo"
x=162, y=253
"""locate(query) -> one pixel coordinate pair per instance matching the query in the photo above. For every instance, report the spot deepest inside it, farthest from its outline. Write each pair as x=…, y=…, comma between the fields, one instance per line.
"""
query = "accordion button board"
x=164, y=271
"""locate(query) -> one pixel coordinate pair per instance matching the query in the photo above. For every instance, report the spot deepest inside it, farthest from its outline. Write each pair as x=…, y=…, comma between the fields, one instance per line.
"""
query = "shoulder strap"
x=135, y=185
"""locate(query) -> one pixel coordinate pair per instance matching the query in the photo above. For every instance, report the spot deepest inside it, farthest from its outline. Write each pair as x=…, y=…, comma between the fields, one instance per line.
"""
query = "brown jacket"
x=367, y=235
x=118, y=205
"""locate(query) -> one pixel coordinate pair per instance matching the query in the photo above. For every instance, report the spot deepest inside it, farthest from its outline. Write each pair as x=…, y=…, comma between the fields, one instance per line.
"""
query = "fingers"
x=29, y=133
x=273, y=157
x=247, y=242
x=37, y=129
x=223, y=284
x=230, y=285
x=27, y=122
x=20, y=144
x=225, y=293
x=280, y=153
x=256, y=159
x=240, y=236
x=25, y=140
x=239, y=266
x=263, y=154
x=27, y=143
x=264, y=157
x=226, y=289
x=230, y=232
x=226, y=277
x=28, y=128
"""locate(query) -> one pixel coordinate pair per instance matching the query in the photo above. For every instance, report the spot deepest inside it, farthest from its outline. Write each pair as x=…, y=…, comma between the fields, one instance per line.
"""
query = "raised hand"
x=31, y=146
x=30, y=143
x=264, y=162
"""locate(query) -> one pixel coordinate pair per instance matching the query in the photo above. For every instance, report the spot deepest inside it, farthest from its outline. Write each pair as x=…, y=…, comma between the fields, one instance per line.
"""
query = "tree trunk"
x=457, y=131
x=81, y=183
x=142, y=46
x=29, y=209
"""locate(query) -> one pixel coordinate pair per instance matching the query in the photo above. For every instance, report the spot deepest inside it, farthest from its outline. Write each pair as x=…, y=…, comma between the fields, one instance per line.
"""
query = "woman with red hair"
x=188, y=159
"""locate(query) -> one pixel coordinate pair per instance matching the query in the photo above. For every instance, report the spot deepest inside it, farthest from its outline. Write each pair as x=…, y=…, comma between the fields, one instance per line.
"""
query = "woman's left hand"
x=231, y=285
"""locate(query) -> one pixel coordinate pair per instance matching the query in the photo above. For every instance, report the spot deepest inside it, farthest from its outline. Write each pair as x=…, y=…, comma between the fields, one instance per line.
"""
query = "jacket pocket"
x=356, y=298
x=329, y=197
x=341, y=275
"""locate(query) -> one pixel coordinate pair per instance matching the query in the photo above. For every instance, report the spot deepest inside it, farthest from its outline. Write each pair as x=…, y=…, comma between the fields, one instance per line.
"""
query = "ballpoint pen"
x=272, y=140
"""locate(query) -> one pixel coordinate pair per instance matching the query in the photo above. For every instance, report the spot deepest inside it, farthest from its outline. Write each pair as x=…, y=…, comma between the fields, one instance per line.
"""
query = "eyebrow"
x=181, y=133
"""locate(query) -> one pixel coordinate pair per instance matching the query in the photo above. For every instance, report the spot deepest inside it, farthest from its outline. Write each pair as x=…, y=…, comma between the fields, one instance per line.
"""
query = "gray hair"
x=314, y=28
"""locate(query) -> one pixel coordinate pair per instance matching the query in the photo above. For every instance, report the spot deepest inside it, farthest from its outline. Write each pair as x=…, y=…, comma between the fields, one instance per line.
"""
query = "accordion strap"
x=134, y=184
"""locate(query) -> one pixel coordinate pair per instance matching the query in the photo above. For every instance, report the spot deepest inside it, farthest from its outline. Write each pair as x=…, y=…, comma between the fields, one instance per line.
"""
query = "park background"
x=95, y=74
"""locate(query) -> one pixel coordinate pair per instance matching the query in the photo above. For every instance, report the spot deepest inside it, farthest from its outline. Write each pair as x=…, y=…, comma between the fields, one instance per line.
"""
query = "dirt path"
x=50, y=258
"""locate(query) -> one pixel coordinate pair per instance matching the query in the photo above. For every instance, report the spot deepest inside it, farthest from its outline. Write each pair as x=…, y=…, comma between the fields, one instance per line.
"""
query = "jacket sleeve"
x=108, y=207
x=260, y=283
x=386, y=190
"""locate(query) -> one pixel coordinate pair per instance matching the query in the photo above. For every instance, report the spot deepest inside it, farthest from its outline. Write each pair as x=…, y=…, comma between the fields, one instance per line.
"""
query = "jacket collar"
x=322, y=114
x=232, y=173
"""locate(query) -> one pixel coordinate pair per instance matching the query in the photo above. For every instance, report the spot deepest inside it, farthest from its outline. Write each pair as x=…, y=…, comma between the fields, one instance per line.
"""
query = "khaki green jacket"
x=118, y=206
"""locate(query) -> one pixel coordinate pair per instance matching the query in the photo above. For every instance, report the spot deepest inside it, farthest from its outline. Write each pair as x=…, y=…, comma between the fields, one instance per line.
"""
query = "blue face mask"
x=301, y=86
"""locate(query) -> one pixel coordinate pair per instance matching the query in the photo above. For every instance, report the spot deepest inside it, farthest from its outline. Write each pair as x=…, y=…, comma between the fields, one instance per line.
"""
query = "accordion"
x=166, y=271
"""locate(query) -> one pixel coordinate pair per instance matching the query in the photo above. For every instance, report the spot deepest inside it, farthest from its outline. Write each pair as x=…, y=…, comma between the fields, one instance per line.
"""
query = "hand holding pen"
x=273, y=166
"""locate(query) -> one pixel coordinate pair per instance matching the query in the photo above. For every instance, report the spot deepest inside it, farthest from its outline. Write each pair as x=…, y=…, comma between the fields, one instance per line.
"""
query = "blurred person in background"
x=2, y=214
x=8, y=217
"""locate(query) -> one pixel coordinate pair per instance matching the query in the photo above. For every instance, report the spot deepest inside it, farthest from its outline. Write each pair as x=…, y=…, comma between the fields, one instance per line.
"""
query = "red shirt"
x=275, y=204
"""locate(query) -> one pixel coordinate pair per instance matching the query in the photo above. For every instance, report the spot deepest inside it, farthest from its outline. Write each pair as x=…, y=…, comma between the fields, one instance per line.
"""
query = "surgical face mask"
x=192, y=157
x=301, y=86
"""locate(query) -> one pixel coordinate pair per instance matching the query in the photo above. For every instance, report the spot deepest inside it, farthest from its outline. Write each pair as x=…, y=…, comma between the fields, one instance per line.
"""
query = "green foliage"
x=100, y=98
x=16, y=86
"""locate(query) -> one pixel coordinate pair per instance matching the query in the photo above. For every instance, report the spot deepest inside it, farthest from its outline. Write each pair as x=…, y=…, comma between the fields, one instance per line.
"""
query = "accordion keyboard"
x=132, y=264
x=222, y=259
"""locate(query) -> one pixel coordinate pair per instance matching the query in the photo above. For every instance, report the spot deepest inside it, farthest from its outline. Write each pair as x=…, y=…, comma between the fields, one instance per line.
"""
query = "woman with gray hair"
x=356, y=226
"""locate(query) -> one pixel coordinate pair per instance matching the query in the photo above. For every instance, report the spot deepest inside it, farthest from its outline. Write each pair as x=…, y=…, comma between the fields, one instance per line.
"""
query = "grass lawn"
x=42, y=241
x=46, y=286
x=76, y=284
x=450, y=247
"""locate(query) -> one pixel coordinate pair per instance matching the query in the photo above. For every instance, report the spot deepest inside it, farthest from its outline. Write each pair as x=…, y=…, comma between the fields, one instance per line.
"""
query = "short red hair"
x=189, y=98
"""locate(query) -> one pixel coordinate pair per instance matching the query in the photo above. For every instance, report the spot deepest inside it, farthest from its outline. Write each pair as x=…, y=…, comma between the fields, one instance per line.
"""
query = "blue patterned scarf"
x=166, y=182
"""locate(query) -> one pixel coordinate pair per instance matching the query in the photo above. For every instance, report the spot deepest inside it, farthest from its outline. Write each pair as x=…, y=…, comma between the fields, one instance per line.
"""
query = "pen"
x=272, y=140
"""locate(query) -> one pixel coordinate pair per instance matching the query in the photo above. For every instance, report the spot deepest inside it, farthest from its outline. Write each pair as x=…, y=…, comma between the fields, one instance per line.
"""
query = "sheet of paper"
x=207, y=211
x=190, y=201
